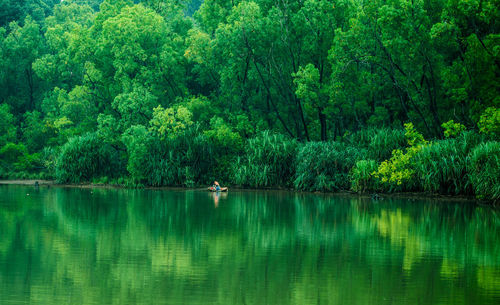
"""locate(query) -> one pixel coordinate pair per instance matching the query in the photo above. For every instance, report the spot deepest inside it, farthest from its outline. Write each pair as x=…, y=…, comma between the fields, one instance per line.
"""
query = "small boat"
x=222, y=189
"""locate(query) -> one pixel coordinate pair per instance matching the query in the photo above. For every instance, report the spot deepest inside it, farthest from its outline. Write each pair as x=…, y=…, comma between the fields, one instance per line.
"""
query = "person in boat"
x=216, y=186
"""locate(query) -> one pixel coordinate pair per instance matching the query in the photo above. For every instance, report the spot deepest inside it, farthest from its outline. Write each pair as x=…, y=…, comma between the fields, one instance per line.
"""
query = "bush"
x=15, y=158
x=11, y=152
x=452, y=129
x=361, y=176
x=85, y=157
x=485, y=170
x=226, y=144
x=398, y=173
x=324, y=166
x=489, y=123
x=268, y=161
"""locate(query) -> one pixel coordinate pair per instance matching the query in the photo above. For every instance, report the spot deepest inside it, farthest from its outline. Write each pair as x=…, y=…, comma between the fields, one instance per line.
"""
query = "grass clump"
x=442, y=166
x=325, y=166
x=85, y=157
x=485, y=170
x=268, y=161
x=361, y=176
x=384, y=142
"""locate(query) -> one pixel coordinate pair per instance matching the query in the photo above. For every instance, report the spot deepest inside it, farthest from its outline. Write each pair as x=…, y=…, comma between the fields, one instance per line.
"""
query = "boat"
x=222, y=189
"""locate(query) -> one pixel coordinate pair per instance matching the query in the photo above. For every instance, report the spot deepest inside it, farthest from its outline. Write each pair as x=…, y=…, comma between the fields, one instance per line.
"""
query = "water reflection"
x=216, y=196
x=142, y=247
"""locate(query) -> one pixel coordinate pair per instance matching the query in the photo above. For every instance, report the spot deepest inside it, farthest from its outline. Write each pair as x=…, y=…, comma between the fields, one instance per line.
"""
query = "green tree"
x=8, y=128
x=20, y=48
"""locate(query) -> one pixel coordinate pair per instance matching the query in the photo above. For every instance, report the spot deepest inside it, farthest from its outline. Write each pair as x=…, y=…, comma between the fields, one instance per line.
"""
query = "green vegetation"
x=485, y=170
x=268, y=161
x=313, y=94
x=324, y=166
x=85, y=157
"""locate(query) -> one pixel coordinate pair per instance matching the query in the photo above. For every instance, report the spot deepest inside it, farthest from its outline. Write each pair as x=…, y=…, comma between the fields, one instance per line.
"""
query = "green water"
x=106, y=246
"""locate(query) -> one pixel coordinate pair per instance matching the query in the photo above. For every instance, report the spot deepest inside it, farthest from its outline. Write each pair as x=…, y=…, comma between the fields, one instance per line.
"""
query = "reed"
x=268, y=161
x=361, y=176
x=384, y=141
x=442, y=166
x=325, y=166
x=85, y=157
x=485, y=170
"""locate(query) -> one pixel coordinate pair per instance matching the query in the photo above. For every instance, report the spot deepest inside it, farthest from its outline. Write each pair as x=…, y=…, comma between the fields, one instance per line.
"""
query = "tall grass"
x=188, y=160
x=442, y=167
x=378, y=142
x=268, y=161
x=85, y=157
x=384, y=141
x=361, y=176
x=485, y=170
x=324, y=166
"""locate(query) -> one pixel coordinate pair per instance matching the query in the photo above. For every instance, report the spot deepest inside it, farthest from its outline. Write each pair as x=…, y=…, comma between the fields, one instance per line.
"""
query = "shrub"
x=412, y=135
x=14, y=158
x=29, y=163
x=398, y=173
x=11, y=152
x=268, y=161
x=35, y=134
x=85, y=157
x=361, y=176
x=489, y=123
x=452, y=129
x=226, y=145
x=324, y=166
x=485, y=170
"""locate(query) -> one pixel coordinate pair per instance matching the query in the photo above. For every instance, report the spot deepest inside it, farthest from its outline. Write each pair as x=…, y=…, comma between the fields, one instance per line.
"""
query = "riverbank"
x=28, y=182
x=373, y=196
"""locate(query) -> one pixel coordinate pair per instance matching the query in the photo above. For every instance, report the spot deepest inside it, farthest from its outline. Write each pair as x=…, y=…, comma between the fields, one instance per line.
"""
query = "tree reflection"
x=104, y=246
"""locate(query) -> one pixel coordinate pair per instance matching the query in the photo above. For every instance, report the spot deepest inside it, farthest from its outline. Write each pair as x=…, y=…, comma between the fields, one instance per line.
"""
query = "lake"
x=117, y=246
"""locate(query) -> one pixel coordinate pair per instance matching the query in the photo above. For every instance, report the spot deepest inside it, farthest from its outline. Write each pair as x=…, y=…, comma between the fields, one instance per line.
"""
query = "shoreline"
x=408, y=195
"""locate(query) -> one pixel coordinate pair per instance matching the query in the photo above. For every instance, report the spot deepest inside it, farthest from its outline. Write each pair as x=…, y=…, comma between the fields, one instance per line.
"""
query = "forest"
x=312, y=95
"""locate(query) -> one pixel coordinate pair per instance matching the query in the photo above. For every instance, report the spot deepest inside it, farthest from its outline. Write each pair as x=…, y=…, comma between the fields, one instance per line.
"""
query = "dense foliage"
x=268, y=161
x=313, y=94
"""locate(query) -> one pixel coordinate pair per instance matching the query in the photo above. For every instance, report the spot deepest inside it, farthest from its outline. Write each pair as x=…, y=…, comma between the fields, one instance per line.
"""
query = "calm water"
x=83, y=246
